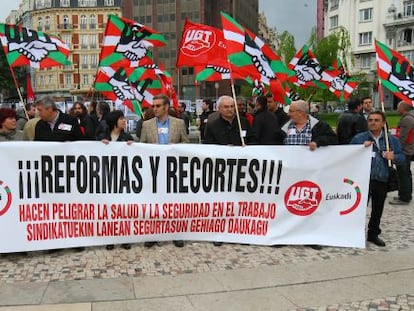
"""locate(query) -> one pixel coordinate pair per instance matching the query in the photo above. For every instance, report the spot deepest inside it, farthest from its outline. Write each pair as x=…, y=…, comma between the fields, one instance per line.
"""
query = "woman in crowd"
x=116, y=124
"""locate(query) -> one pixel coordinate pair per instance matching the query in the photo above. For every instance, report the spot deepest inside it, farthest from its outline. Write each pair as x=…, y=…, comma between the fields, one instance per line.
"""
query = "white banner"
x=57, y=195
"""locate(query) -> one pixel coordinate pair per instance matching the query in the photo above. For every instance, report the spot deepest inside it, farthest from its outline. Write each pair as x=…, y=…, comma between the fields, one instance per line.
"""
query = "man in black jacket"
x=55, y=125
x=265, y=124
x=225, y=130
x=351, y=122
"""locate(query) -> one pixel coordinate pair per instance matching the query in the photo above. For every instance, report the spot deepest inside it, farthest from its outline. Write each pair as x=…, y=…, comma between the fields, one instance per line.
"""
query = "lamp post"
x=184, y=90
x=216, y=86
x=372, y=81
x=78, y=86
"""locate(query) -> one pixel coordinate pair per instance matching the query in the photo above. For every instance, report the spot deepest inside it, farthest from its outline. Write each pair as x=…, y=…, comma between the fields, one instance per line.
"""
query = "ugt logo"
x=197, y=42
x=303, y=198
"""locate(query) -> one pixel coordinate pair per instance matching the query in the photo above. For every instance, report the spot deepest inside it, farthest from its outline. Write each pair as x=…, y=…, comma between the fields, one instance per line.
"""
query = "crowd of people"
x=234, y=123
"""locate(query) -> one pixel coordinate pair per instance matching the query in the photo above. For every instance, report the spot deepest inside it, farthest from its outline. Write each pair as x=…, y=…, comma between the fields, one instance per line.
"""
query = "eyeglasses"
x=158, y=105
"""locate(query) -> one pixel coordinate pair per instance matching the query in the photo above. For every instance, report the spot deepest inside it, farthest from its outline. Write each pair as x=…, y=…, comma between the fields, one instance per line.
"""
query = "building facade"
x=81, y=25
x=389, y=21
x=168, y=17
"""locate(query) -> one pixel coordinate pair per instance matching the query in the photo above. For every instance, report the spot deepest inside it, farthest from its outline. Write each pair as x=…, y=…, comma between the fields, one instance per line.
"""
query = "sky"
x=296, y=16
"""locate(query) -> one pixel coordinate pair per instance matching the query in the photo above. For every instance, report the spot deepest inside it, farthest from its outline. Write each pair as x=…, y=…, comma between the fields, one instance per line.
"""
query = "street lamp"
x=184, y=90
x=216, y=86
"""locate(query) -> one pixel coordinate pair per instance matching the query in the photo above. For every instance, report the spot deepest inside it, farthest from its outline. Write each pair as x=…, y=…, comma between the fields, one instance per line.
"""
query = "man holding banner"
x=163, y=129
x=303, y=129
x=376, y=137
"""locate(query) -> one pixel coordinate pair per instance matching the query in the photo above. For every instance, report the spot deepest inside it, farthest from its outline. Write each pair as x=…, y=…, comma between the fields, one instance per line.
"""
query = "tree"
x=6, y=81
x=286, y=46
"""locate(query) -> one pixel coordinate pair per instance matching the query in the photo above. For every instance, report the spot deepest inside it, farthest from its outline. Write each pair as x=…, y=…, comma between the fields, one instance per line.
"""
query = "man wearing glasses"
x=303, y=129
x=163, y=129
x=379, y=169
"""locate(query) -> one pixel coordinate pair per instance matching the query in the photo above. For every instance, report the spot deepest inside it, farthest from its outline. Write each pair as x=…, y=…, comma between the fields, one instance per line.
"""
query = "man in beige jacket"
x=163, y=129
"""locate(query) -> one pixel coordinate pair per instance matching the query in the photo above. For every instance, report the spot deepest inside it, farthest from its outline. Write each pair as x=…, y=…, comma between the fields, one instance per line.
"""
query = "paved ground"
x=201, y=276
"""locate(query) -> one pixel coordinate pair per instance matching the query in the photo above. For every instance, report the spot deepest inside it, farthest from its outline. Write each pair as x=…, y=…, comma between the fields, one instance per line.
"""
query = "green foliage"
x=6, y=81
x=286, y=46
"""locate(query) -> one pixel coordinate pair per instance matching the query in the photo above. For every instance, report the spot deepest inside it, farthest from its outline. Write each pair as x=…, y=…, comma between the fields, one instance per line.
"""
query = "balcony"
x=65, y=26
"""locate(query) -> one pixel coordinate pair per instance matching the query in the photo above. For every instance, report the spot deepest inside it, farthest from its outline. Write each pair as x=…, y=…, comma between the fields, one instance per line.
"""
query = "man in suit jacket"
x=163, y=129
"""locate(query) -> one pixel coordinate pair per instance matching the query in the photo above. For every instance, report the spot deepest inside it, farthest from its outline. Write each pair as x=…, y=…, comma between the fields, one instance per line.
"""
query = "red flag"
x=29, y=90
x=201, y=45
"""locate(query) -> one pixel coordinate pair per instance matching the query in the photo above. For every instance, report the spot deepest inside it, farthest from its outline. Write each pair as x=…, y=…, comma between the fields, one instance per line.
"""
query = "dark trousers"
x=378, y=193
x=405, y=180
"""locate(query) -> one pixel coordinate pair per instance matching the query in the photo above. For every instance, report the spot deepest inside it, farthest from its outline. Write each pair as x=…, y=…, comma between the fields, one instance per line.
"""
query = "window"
x=42, y=81
x=333, y=21
x=67, y=39
x=365, y=15
x=109, y=2
x=85, y=79
x=407, y=36
x=409, y=8
x=39, y=23
x=68, y=79
x=85, y=3
x=84, y=61
x=365, y=61
x=65, y=22
x=50, y=81
x=94, y=60
x=83, y=22
x=64, y=3
x=92, y=20
x=47, y=23
x=41, y=4
x=84, y=41
x=365, y=38
x=409, y=55
x=334, y=4
x=92, y=41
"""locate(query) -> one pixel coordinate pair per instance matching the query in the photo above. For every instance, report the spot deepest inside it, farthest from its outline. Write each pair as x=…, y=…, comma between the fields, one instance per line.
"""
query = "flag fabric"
x=201, y=45
x=27, y=47
x=308, y=71
x=218, y=73
x=114, y=85
x=126, y=43
x=249, y=56
x=30, y=95
x=341, y=84
x=395, y=72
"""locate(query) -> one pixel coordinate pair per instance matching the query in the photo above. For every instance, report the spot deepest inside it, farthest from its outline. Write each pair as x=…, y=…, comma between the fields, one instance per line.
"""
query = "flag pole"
x=18, y=91
x=387, y=142
x=178, y=83
x=233, y=91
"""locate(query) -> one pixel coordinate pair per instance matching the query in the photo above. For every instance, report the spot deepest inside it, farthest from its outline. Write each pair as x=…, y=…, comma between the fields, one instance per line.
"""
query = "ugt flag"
x=201, y=45
x=396, y=72
x=27, y=47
